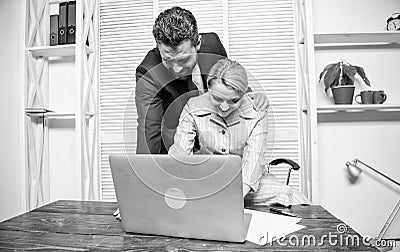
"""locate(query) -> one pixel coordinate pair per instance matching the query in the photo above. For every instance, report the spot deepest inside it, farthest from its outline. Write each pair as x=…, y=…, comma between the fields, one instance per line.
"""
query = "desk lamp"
x=354, y=171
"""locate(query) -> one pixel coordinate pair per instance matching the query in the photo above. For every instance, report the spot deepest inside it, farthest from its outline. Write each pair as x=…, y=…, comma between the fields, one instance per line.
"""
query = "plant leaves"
x=325, y=69
x=349, y=71
x=331, y=75
x=334, y=83
x=361, y=72
x=347, y=81
x=343, y=80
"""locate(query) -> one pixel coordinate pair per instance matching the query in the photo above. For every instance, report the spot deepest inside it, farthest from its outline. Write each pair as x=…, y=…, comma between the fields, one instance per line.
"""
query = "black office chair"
x=266, y=193
x=293, y=166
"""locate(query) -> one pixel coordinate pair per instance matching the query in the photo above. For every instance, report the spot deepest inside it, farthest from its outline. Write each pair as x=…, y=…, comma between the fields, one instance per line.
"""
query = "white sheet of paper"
x=266, y=227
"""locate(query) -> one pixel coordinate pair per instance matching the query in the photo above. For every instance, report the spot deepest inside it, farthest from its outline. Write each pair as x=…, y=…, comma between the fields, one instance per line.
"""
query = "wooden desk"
x=83, y=225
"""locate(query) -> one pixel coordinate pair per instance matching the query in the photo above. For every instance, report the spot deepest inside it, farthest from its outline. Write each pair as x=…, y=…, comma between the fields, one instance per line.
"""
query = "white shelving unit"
x=82, y=111
x=311, y=43
x=337, y=133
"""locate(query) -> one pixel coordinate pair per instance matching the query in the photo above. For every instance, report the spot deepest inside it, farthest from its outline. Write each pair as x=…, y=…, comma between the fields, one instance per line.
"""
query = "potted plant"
x=340, y=78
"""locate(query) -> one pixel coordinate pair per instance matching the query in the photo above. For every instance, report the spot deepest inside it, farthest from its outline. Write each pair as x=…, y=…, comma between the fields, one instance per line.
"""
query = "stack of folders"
x=62, y=26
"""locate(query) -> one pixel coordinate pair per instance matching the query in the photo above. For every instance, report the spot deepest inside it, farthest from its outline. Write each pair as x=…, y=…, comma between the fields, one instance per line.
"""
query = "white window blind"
x=125, y=38
x=258, y=34
x=208, y=13
x=262, y=38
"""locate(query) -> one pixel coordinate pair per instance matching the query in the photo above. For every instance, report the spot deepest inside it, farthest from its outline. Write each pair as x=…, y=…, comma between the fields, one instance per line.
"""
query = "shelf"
x=37, y=111
x=54, y=115
x=51, y=114
x=362, y=112
x=356, y=38
x=56, y=1
x=54, y=51
x=59, y=115
x=42, y=112
x=357, y=108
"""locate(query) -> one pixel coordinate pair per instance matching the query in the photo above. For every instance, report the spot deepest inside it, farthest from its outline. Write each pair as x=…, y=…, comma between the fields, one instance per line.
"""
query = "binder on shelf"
x=53, y=30
x=71, y=21
x=62, y=23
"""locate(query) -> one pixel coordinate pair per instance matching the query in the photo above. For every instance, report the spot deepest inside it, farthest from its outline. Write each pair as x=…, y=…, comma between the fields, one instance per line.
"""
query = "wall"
x=366, y=204
x=12, y=167
x=64, y=175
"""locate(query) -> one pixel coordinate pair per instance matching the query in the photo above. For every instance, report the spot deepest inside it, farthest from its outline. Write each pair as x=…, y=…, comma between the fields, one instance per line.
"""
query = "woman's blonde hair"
x=231, y=73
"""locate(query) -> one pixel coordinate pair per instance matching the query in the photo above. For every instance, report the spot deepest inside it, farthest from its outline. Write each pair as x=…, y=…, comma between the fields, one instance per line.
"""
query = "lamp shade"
x=353, y=170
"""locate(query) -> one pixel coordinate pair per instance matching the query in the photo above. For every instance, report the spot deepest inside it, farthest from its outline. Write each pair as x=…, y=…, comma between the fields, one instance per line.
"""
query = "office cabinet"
x=61, y=114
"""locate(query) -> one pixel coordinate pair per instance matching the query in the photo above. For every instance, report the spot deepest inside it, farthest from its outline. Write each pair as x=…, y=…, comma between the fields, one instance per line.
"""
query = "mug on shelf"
x=379, y=97
x=367, y=97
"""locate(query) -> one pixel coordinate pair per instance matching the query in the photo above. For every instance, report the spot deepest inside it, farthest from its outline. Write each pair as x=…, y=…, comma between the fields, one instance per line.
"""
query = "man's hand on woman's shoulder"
x=260, y=100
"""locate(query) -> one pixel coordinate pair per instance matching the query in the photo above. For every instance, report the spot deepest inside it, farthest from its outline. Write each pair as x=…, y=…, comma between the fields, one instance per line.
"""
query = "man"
x=170, y=74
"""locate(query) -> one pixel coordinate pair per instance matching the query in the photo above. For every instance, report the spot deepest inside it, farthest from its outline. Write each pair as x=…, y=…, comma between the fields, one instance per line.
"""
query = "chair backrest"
x=293, y=166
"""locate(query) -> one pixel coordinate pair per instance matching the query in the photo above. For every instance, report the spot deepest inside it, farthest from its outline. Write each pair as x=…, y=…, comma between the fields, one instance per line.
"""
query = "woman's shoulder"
x=201, y=101
x=199, y=105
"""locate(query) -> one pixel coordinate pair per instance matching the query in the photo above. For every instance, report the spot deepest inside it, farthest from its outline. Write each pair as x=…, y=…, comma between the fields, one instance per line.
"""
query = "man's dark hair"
x=175, y=25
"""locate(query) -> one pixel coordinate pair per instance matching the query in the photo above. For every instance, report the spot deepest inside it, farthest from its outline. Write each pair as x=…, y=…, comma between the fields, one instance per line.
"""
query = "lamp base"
x=390, y=220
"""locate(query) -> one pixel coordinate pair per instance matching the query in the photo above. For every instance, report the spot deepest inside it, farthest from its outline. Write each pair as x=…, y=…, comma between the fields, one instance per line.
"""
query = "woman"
x=225, y=122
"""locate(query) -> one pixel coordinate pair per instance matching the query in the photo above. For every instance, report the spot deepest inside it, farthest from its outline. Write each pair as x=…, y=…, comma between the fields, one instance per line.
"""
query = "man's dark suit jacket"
x=160, y=98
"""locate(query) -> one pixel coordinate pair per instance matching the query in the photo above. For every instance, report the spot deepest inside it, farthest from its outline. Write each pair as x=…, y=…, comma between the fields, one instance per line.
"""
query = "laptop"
x=197, y=196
